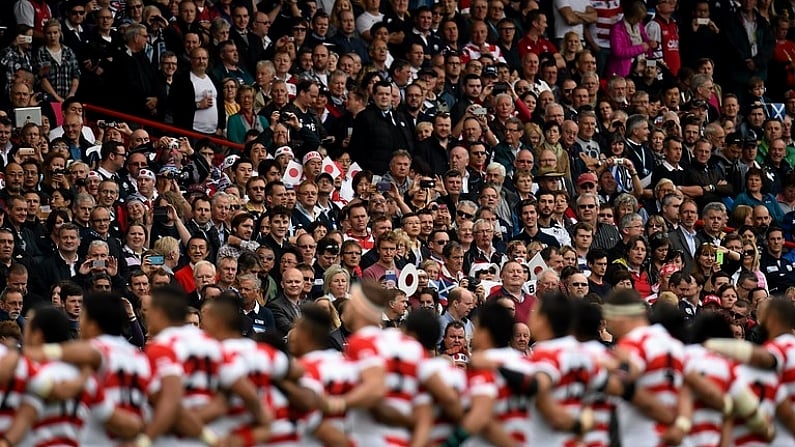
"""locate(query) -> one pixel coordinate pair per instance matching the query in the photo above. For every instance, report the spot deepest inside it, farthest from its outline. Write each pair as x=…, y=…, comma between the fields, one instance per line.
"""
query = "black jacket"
x=182, y=100
x=375, y=137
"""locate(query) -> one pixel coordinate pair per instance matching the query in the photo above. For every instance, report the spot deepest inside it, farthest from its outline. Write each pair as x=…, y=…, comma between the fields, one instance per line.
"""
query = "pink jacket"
x=622, y=52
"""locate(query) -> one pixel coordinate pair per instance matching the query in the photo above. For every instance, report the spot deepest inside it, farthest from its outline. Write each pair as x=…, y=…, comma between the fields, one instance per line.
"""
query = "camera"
x=99, y=264
x=472, y=284
x=59, y=172
x=107, y=124
x=286, y=116
x=427, y=183
x=499, y=87
x=81, y=182
x=618, y=161
x=479, y=111
x=173, y=144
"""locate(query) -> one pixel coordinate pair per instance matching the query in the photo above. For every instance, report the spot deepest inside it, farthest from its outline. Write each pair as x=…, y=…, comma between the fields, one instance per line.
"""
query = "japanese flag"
x=353, y=170
x=329, y=167
x=536, y=266
x=293, y=173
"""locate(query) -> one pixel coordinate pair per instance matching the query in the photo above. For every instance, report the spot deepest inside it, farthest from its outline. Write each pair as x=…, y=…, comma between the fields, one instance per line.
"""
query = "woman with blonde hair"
x=336, y=282
x=750, y=263
x=533, y=136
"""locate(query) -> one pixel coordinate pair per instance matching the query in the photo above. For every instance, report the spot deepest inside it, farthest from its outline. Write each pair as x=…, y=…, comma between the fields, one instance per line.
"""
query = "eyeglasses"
x=308, y=278
x=308, y=246
x=587, y=186
x=588, y=206
x=235, y=207
x=120, y=154
x=579, y=284
x=605, y=215
x=257, y=188
x=655, y=225
x=77, y=13
x=441, y=242
x=748, y=253
x=738, y=316
x=465, y=215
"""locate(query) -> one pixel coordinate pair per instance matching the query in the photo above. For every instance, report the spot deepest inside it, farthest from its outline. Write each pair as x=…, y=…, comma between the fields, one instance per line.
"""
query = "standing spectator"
x=34, y=14
x=17, y=56
x=664, y=32
x=378, y=131
x=628, y=40
x=750, y=47
x=134, y=77
x=195, y=98
x=572, y=15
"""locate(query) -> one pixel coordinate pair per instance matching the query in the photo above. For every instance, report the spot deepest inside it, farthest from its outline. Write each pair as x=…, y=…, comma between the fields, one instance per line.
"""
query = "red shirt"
x=540, y=46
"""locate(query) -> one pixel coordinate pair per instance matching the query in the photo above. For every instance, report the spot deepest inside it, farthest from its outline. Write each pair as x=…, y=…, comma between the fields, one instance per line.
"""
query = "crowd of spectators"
x=500, y=148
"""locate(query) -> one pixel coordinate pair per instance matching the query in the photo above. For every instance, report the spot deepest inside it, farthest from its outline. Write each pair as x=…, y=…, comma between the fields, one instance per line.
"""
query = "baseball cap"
x=587, y=177
x=490, y=71
x=324, y=175
x=146, y=173
x=135, y=198
x=710, y=299
x=482, y=267
x=698, y=103
x=93, y=175
x=312, y=155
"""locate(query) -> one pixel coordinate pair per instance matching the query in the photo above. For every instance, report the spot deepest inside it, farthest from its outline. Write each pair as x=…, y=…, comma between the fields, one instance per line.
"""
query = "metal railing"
x=167, y=128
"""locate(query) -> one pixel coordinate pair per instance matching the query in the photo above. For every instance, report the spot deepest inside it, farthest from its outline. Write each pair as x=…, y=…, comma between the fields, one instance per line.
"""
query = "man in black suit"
x=286, y=308
x=134, y=76
x=378, y=131
x=685, y=238
x=73, y=31
x=249, y=45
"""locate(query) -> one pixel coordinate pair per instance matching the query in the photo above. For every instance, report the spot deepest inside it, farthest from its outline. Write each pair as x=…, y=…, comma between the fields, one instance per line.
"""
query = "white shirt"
x=204, y=120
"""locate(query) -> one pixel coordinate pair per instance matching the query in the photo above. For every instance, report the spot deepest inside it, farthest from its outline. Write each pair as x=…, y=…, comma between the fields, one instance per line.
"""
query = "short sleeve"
x=163, y=362
x=363, y=352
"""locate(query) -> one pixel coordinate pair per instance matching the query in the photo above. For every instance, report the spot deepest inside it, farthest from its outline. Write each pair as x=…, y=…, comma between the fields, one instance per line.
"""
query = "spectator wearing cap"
x=329, y=211
x=146, y=186
x=327, y=255
x=197, y=105
x=313, y=164
x=379, y=131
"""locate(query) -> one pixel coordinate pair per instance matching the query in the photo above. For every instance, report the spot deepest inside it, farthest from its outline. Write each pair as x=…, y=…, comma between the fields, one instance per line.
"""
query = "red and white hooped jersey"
x=328, y=373
x=511, y=410
x=400, y=356
x=601, y=404
x=783, y=349
x=263, y=364
x=660, y=359
x=455, y=378
x=12, y=392
x=575, y=374
x=767, y=387
x=199, y=361
x=60, y=423
x=124, y=375
x=707, y=422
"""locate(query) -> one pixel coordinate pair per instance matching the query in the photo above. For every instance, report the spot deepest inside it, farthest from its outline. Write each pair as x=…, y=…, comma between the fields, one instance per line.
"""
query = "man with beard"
x=412, y=107
x=11, y=306
x=546, y=222
x=504, y=200
x=434, y=150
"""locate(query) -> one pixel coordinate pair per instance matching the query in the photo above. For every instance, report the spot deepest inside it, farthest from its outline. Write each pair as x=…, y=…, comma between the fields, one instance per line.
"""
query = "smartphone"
x=384, y=186
x=618, y=161
x=157, y=259
x=350, y=131
x=427, y=183
x=99, y=264
x=704, y=21
x=719, y=258
x=26, y=39
x=479, y=111
x=26, y=152
x=651, y=62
